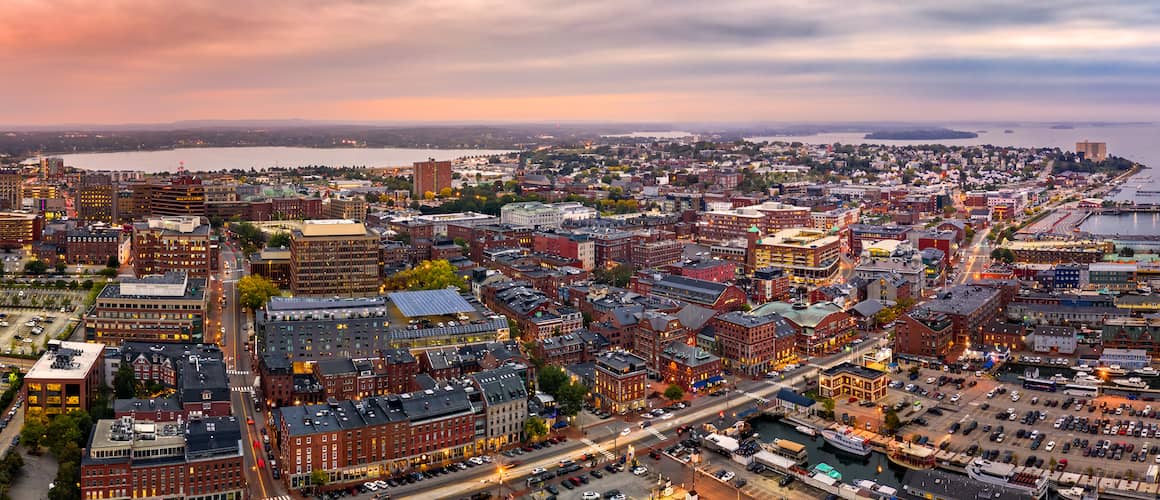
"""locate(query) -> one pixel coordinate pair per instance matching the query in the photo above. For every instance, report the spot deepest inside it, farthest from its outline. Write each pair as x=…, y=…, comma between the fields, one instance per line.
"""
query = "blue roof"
x=795, y=398
x=430, y=303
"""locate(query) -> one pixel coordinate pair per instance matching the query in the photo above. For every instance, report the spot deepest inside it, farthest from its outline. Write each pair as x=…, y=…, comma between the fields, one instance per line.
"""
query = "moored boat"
x=844, y=438
x=911, y=456
x=1135, y=382
x=807, y=430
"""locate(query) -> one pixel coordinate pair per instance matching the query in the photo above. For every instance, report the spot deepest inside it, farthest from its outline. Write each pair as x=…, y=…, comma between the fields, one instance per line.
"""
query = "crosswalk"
x=759, y=399
x=280, y=497
x=597, y=448
x=656, y=433
x=241, y=389
x=238, y=372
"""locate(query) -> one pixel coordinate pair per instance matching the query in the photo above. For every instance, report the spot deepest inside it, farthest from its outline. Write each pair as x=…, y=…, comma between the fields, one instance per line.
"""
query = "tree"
x=63, y=430
x=1127, y=252
x=125, y=382
x=535, y=428
x=318, y=477
x=428, y=275
x=108, y=272
x=280, y=239
x=890, y=420
x=35, y=267
x=571, y=398
x=65, y=485
x=113, y=262
x=254, y=291
x=551, y=379
x=674, y=393
x=617, y=276
x=33, y=432
x=60, y=267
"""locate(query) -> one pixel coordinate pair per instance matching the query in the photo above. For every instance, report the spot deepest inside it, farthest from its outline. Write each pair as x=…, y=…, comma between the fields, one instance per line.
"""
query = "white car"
x=930, y=380
x=728, y=475
x=539, y=470
x=371, y=486
x=639, y=470
x=626, y=431
x=590, y=495
x=476, y=460
x=1050, y=446
x=666, y=416
x=956, y=398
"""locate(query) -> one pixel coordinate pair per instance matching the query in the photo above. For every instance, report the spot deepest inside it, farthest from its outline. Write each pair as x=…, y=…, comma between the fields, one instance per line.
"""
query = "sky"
x=144, y=61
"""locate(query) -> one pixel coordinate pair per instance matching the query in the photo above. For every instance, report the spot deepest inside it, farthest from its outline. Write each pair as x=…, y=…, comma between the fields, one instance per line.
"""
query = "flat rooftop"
x=66, y=360
x=430, y=303
x=333, y=227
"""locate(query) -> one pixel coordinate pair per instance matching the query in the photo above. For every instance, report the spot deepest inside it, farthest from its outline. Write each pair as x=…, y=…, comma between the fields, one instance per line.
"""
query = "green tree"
x=535, y=428
x=108, y=272
x=674, y=393
x=67, y=478
x=60, y=267
x=428, y=275
x=890, y=420
x=249, y=235
x=113, y=262
x=618, y=276
x=33, y=432
x=254, y=291
x=551, y=379
x=571, y=398
x=125, y=382
x=319, y=477
x=280, y=239
x=35, y=267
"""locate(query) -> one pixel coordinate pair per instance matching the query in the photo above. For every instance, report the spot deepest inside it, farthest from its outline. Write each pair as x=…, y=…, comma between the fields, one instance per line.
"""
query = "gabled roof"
x=795, y=398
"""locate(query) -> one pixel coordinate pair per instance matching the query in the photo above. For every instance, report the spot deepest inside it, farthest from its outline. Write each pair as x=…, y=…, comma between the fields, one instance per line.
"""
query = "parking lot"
x=1005, y=422
x=21, y=332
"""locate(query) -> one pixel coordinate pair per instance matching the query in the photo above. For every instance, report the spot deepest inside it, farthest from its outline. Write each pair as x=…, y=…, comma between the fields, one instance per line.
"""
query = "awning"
x=709, y=381
x=560, y=425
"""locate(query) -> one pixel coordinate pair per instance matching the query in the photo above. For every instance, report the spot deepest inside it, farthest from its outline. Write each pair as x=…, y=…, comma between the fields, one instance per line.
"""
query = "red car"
x=261, y=463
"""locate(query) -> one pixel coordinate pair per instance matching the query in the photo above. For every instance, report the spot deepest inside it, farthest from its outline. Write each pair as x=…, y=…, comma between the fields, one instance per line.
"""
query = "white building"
x=573, y=211
x=1055, y=339
x=531, y=214
x=1128, y=359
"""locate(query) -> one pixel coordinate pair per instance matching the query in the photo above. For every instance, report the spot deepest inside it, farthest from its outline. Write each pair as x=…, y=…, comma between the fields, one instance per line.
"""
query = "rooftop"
x=168, y=286
x=430, y=303
x=961, y=299
x=332, y=227
x=688, y=355
x=853, y=369
x=66, y=360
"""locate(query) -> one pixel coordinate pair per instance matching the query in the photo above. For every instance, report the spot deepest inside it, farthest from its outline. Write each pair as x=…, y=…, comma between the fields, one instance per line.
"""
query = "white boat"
x=1114, y=370
x=1135, y=382
x=1147, y=370
x=807, y=430
x=1082, y=368
x=1001, y=474
x=843, y=438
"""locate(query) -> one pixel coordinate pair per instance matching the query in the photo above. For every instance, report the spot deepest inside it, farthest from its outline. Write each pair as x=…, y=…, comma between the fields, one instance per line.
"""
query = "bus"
x=1039, y=385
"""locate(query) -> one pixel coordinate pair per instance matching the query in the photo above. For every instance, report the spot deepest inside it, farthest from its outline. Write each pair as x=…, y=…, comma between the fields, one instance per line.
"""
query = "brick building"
x=754, y=344
x=157, y=308
x=334, y=258
x=164, y=244
x=430, y=177
x=67, y=377
x=690, y=367
x=621, y=382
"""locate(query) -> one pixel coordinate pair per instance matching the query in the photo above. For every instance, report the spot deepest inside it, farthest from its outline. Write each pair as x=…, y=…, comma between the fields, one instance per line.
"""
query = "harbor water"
x=852, y=467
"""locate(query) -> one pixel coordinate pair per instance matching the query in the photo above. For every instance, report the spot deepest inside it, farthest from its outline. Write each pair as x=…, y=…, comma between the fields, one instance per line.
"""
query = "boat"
x=827, y=470
x=1082, y=368
x=1001, y=474
x=1077, y=493
x=1113, y=370
x=881, y=489
x=843, y=438
x=1135, y=382
x=1008, y=131
x=911, y=456
x=1058, y=378
x=1147, y=370
x=807, y=430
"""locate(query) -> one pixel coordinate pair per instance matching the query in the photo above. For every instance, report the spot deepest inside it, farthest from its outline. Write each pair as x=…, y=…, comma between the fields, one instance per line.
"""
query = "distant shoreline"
x=920, y=135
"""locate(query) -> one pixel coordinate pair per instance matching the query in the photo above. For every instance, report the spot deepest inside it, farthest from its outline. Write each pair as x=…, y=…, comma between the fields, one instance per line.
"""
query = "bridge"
x=1128, y=209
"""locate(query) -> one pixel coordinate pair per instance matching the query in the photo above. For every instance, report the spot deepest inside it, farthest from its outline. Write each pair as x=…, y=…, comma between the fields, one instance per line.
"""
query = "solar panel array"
x=430, y=303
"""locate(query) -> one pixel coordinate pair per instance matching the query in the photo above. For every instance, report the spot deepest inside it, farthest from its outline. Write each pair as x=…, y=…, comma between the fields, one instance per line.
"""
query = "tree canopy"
x=428, y=275
x=551, y=379
x=535, y=428
x=674, y=392
x=254, y=291
x=280, y=239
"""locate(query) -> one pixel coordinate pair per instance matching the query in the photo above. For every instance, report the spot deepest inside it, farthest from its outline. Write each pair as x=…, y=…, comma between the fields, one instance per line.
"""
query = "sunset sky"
x=131, y=61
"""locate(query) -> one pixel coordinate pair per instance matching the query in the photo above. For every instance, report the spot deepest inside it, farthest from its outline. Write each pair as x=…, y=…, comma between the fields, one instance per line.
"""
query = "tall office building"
x=12, y=189
x=431, y=176
x=334, y=257
x=1094, y=151
x=95, y=199
x=180, y=196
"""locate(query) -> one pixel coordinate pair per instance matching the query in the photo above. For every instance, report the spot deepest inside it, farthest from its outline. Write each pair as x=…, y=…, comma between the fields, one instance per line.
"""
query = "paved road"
x=605, y=437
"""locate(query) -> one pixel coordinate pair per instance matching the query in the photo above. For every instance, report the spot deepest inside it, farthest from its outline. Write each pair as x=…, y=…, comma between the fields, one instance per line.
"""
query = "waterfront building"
x=1138, y=334
x=849, y=379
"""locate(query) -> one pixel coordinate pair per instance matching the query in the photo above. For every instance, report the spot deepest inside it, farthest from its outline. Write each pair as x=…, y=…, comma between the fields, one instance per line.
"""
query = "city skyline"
x=133, y=62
